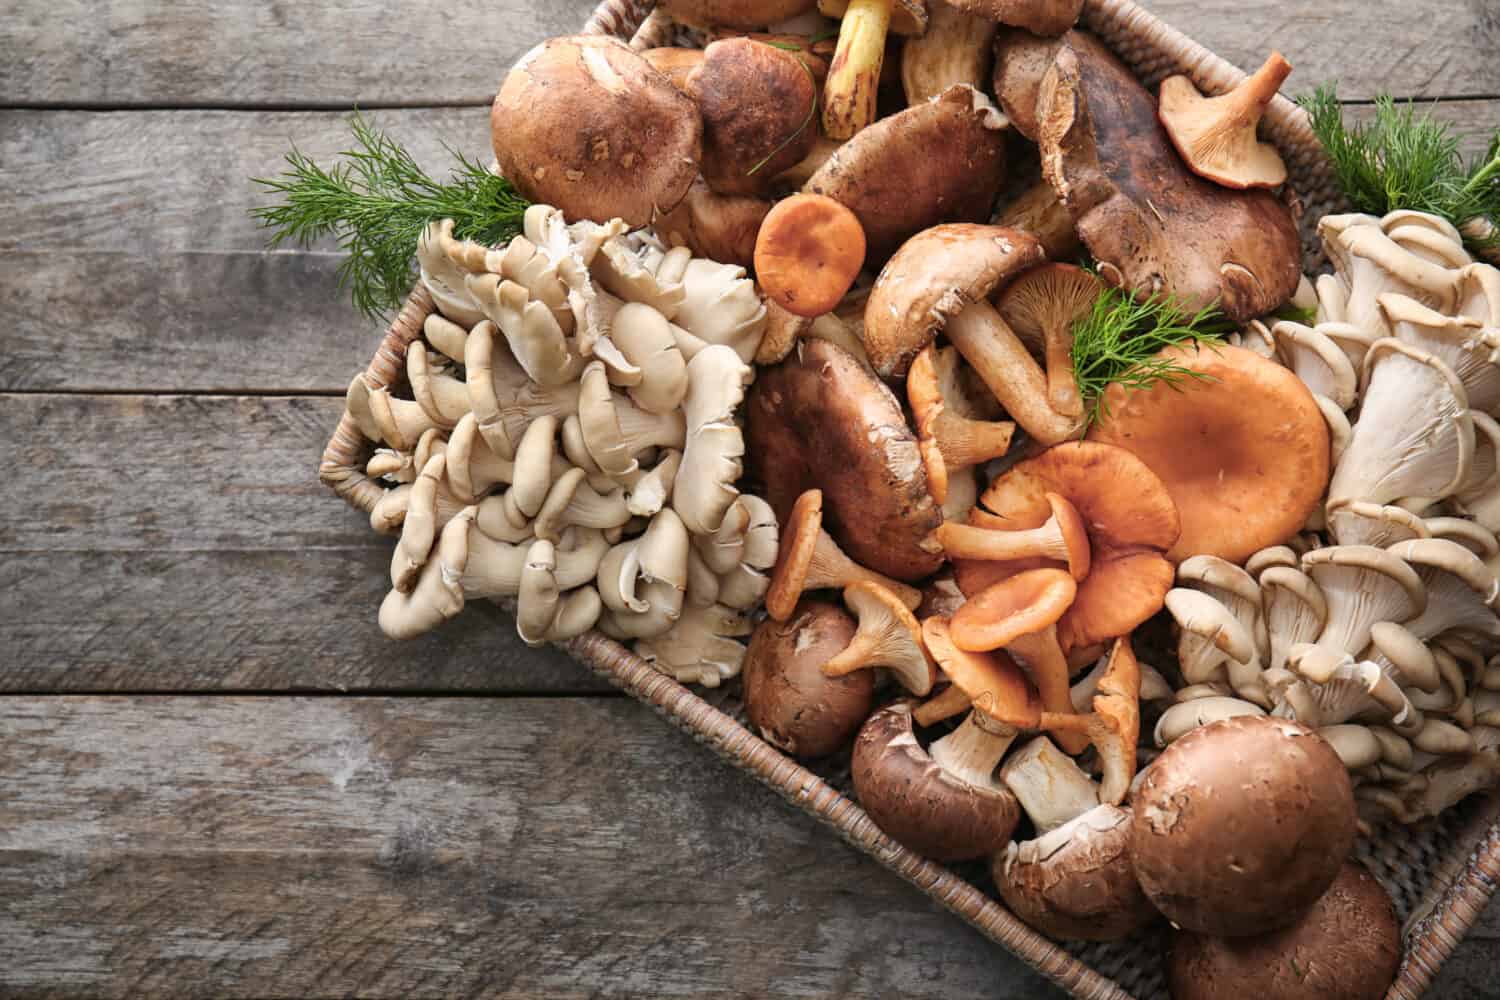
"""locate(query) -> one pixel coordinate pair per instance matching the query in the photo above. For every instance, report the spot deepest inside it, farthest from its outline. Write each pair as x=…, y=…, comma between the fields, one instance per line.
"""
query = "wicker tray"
x=1440, y=874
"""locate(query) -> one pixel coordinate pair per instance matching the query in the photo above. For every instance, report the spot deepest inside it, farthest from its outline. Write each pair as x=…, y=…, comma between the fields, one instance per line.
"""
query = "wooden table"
x=216, y=777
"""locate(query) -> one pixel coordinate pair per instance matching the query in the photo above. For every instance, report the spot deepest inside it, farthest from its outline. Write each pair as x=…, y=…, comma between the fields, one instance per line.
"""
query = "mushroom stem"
x=1042, y=658
x=989, y=344
x=1051, y=787
x=1041, y=213
x=974, y=749
x=1062, y=538
x=944, y=705
x=854, y=76
x=1247, y=102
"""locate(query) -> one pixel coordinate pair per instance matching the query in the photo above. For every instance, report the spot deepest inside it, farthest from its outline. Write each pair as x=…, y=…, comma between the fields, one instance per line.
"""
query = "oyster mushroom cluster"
x=570, y=444
x=1377, y=624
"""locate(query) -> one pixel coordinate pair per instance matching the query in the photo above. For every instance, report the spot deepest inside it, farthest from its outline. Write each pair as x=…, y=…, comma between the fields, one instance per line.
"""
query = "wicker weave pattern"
x=1440, y=875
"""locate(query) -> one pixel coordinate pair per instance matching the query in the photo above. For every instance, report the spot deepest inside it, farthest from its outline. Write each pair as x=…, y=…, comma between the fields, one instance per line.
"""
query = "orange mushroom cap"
x=809, y=251
x=1063, y=538
x=949, y=433
x=992, y=682
x=1243, y=451
x=799, y=540
x=1022, y=605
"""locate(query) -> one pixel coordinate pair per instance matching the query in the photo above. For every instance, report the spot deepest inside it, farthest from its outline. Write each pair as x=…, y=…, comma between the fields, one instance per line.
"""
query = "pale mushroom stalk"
x=437, y=595
x=975, y=748
x=1062, y=538
x=954, y=49
x=1050, y=786
x=420, y=527
x=989, y=344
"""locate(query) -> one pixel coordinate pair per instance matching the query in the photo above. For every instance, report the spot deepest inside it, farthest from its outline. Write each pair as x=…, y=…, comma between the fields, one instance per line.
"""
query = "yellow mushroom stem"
x=854, y=76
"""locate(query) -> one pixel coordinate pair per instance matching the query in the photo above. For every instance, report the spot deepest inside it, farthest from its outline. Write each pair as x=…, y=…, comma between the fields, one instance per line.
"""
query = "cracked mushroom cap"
x=1076, y=882
x=1154, y=226
x=822, y=420
x=1347, y=946
x=791, y=702
x=1021, y=61
x=585, y=124
x=936, y=275
x=1241, y=825
x=1243, y=449
x=743, y=14
x=939, y=161
x=1216, y=135
x=1131, y=522
x=914, y=801
x=756, y=101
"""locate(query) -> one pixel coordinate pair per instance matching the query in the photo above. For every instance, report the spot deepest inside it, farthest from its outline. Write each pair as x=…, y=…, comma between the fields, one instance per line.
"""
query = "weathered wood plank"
x=184, y=543
x=360, y=51
x=454, y=847
x=198, y=52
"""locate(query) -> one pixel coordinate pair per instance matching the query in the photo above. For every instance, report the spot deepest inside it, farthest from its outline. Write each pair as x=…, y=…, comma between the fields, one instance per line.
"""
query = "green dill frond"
x=375, y=202
x=1121, y=339
x=1407, y=159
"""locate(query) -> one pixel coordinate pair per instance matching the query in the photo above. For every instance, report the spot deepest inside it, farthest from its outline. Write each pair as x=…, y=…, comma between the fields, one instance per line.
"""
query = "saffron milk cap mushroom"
x=789, y=699
x=1241, y=825
x=808, y=559
x=1216, y=135
x=888, y=636
x=916, y=802
x=1242, y=448
x=1002, y=704
x=1063, y=538
x=952, y=437
x=808, y=253
x=585, y=124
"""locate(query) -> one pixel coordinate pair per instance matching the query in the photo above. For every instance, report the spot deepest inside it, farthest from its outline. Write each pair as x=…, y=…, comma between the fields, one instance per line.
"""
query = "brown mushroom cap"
x=788, y=698
x=1244, y=453
x=1131, y=522
x=1241, y=825
x=940, y=161
x=1077, y=881
x=756, y=101
x=908, y=17
x=735, y=13
x=1021, y=60
x=917, y=803
x=586, y=125
x=822, y=420
x=1041, y=17
x=721, y=227
x=933, y=277
x=1153, y=225
x=1347, y=946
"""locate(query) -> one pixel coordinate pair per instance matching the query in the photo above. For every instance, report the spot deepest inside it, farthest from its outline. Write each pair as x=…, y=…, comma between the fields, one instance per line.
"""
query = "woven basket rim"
x=1460, y=887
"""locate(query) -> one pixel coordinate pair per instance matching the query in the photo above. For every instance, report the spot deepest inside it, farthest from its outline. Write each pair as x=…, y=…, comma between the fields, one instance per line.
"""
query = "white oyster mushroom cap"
x=1403, y=656
x=645, y=339
x=1333, y=300
x=437, y=595
x=1469, y=351
x=1359, y=523
x=635, y=271
x=653, y=491
x=536, y=340
x=1479, y=294
x=721, y=306
x=704, y=489
x=571, y=500
x=1210, y=637
x=1352, y=340
x=1356, y=745
x=419, y=529
x=700, y=647
x=1460, y=589
x=473, y=467
x=446, y=336
x=1184, y=717
x=1335, y=688
x=1295, y=611
x=444, y=278
x=1415, y=437
x=615, y=430
x=543, y=613
x=1362, y=585
x=1318, y=361
x=1372, y=264
x=1473, y=536
x=1232, y=586
x=1339, y=430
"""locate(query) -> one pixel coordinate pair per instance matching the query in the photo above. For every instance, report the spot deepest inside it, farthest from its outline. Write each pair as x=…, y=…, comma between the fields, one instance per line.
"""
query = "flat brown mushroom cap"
x=1346, y=947
x=933, y=277
x=1021, y=61
x=788, y=698
x=822, y=420
x=721, y=227
x=1084, y=891
x=940, y=161
x=794, y=555
x=755, y=100
x=1021, y=605
x=1040, y=17
x=584, y=124
x=1152, y=224
x=1241, y=825
x=1244, y=456
x=1131, y=521
x=917, y=803
x=735, y=13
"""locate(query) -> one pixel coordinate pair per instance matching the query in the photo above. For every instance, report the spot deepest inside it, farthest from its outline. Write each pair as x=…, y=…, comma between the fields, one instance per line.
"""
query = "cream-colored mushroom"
x=442, y=397
x=1182, y=718
x=1479, y=294
x=1334, y=688
x=1362, y=585
x=1356, y=745
x=1470, y=352
x=1470, y=534
x=641, y=271
x=1294, y=609
x=473, y=467
x=388, y=463
x=721, y=306
x=659, y=561
x=504, y=399
x=700, y=646
x=446, y=336
x=1460, y=589
x=572, y=501
x=495, y=567
x=745, y=584
x=1320, y=363
x=704, y=488
x=530, y=328
x=437, y=595
x=644, y=337
x=615, y=430
x=419, y=528
x=1212, y=643
x=389, y=512
x=1359, y=523
x=444, y=278
x=956, y=48
x=543, y=612
x=1371, y=264
x=653, y=490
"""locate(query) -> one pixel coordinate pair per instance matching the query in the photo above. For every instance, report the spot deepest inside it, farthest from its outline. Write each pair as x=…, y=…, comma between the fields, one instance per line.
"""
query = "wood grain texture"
x=402, y=51
x=184, y=543
x=232, y=52
x=414, y=847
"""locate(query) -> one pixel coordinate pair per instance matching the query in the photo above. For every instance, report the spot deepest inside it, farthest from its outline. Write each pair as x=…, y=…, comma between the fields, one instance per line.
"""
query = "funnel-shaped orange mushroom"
x=808, y=252
x=1216, y=135
x=1002, y=704
x=1020, y=614
x=1114, y=726
x=1063, y=538
x=949, y=433
x=811, y=560
x=888, y=636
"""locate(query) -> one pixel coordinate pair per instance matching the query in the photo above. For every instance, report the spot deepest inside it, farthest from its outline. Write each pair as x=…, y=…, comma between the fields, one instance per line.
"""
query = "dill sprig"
x=1121, y=339
x=1407, y=159
x=376, y=202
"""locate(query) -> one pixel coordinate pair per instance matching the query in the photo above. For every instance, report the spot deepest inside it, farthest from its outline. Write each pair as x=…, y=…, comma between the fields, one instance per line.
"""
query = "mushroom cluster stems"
x=888, y=636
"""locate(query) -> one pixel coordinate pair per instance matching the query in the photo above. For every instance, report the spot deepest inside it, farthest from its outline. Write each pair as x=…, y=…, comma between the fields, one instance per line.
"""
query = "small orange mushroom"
x=1114, y=726
x=811, y=560
x=888, y=636
x=1216, y=135
x=1041, y=306
x=808, y=253
x=1063, y=538
x=950, y=435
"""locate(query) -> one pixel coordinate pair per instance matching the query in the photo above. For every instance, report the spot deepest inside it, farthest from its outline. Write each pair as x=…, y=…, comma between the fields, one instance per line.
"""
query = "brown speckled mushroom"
x=1021, y=61
x=1040, y=17
x=757, y=102
x=822, y=420
x=1347, y=946
x=808, y=559
x=1154, y=226
x=918, y=803
x=743, y=14
x=718, y=227
x=791, y=702
x=586, y=125
x=1241, y=825
x=940, y=161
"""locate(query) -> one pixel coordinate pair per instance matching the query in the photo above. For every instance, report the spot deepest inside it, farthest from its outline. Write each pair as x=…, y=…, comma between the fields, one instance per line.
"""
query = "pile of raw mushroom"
x=952, y=561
